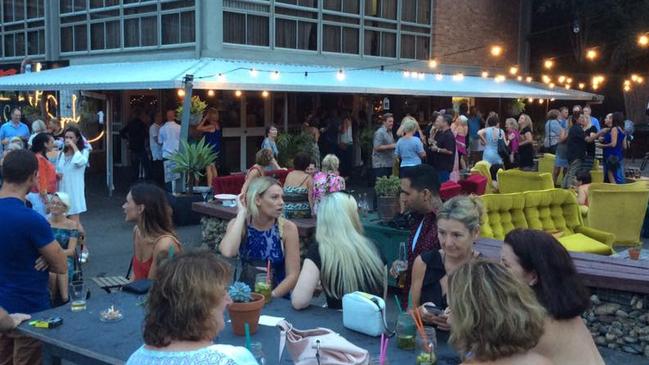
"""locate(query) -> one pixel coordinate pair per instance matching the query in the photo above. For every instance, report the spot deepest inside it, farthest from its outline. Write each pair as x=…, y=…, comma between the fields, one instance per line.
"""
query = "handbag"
x=364, y=313
x=138, y=286
x=319, y=346
x=503, y=150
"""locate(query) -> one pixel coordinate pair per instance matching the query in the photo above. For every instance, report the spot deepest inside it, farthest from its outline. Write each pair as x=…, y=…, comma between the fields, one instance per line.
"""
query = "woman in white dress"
x=70, y=168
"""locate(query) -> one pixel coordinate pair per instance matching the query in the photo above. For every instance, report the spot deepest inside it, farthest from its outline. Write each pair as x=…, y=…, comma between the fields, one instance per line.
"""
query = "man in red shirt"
x=420, y=195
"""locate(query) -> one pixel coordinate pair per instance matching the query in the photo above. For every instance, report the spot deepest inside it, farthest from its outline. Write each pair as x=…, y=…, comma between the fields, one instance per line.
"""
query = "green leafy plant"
x=240, y=292
x=387, y=186
x=191, y=160
x=290, y=144
x=198, y=107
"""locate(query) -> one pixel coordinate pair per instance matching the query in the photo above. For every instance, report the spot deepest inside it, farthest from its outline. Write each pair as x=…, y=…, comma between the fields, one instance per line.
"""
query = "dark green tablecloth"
x=386, y=238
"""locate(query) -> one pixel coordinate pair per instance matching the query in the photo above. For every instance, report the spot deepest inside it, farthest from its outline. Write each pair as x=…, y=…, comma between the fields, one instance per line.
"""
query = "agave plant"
x=240, y=292
x=191, y=160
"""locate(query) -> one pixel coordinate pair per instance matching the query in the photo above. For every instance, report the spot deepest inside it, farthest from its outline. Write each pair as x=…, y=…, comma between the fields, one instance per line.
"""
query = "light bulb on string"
x=643, y=40
x=406, y=73
x=458, y=76
x=340, y=75
x=582, y=85
x=485, y=74
x=220, y=77
x=500, y=78
x=496, y=50
x=540, y=101
x=548, y=64
x=264, y=94
x=528, y=79
x=561, y=79
x=254, y=72
x=210, y=93
x=274, y=75
x=513, y=70
x=627, y=82
x=551, y=85
x=634, y=77
x=640, y=80
x=531, y=100
x=552, y=99
x=592, y=54
x=432, y=63
x=546, y=79
x=421, y=76
x=181, y=93
x=238, y=93
x=439, y=77
x=627, y=88
x=519, y=78
x=569, y=80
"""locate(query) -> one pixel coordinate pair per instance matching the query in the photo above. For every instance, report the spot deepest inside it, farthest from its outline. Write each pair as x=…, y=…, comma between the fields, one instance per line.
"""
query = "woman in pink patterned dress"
x=327, y=180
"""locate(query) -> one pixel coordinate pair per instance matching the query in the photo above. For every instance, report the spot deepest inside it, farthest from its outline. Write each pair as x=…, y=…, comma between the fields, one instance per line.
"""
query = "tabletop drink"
x=406, y=332
x=401, y=265
x=263, y=287
x=77, y=296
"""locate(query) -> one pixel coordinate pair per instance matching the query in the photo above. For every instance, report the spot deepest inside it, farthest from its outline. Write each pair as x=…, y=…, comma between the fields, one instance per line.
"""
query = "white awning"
x=169, y=74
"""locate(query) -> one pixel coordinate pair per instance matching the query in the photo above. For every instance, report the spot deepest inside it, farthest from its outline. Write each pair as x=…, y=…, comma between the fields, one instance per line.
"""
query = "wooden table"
x=84, y=339
x=305, y=227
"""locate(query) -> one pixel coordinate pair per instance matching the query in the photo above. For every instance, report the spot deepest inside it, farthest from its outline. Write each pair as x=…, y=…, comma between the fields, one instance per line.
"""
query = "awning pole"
x=184, y=123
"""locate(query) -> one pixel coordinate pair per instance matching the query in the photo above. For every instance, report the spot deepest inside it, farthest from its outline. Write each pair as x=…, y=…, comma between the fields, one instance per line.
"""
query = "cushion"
x=552, y=210
x=579, y=243
x=504, y=212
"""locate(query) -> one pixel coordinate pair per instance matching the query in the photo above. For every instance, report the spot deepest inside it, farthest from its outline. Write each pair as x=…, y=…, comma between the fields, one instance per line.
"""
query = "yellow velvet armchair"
x=618, y=208
x=482, y=168
x=515, y=181
x=553, y=210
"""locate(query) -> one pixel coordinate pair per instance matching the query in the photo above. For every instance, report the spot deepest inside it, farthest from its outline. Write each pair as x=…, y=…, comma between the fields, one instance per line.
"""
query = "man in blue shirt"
x=28, y=250
x=594, y=121
x=13, y=128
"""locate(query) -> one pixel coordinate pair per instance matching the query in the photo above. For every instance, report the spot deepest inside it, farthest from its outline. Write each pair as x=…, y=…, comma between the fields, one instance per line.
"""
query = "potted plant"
x=191, y=160
x=245, y=308
x=387, y=190
x=198, y=106
x=290, y=144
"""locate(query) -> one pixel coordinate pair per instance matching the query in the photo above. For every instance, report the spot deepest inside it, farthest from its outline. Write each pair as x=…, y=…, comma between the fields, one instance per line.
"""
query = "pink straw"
x=381, y=348
x=385, y=350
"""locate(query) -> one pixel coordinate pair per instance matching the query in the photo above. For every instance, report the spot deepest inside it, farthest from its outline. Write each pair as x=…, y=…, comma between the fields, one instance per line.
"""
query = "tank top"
x=141, y=268
x=259, y=247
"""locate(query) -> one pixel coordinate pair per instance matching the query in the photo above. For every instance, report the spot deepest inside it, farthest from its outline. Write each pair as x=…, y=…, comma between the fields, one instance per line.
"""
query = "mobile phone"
x=431, y=308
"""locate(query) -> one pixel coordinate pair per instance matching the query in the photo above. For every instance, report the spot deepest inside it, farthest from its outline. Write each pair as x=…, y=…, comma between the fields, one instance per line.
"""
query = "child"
x=583, y=183
x=66, y=233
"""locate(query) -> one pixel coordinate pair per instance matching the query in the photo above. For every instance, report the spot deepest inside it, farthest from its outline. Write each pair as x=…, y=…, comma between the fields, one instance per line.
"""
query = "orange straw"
x=268, y=272
x=419, y=324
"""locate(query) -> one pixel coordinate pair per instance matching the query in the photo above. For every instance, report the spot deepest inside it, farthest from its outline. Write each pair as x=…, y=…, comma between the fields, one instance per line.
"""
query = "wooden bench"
x=596, y=271
x=305, y=227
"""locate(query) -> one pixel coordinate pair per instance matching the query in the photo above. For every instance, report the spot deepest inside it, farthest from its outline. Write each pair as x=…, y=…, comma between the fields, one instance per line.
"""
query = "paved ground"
x=110, y=242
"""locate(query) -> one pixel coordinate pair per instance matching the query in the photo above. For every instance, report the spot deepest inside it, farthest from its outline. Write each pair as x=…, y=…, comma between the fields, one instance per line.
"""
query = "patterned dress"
x=296, y=202
x=257, y=249
x=323, y=184
x=211, y=355
x=62, y=236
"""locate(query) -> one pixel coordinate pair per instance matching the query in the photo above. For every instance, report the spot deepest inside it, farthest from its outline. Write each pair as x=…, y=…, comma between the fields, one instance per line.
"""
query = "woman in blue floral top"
x=259, y=234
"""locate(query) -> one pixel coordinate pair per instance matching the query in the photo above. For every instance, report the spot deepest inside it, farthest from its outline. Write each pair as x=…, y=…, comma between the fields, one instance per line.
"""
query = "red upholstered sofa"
x=474, y=184
x=449, y=189
x=232, y=184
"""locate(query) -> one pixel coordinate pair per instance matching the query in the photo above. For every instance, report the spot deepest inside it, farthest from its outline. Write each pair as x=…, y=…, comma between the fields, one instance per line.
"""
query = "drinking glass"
x=77, y=296
x=262, y=287
x=406, y=332
x=401, y=264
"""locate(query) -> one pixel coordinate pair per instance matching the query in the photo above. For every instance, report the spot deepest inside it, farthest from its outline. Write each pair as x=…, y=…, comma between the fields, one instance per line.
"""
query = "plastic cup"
x=77, y=296
x=263, y=287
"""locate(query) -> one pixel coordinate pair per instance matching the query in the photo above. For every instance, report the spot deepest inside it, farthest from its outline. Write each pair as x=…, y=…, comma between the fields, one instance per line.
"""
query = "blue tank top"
x=261, y=246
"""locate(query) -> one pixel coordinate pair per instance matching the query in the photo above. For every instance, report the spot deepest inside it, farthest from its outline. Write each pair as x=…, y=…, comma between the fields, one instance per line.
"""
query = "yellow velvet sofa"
x=553, y=210
x=546, y=164
x=515, y=181
x=618, y=208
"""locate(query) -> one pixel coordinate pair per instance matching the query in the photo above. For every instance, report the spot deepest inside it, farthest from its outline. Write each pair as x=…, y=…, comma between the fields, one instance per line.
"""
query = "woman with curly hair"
x=184, y=313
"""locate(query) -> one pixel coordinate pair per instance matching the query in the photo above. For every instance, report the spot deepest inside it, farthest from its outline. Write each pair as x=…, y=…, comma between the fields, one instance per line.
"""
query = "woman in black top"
x=526, y=144
x=342, y=260
x=458, y=226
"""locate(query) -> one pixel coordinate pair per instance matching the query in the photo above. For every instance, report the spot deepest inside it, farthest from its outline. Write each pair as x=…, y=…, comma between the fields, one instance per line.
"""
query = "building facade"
x=340, y=33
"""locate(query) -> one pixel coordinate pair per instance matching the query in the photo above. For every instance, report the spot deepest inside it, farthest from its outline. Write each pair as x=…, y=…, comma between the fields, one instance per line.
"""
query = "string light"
x=210, y=93
x=528, y=79
x=640, y=80
x=340, y=76
x=569, y=80
x=421, y=76
x=485, y=74
x=519, y=78
x=548, y=63
x=634, y=77
x=496, y=51
x=458, y=76
x=181, y=93
x=238, y=93
x=439, y=77
x=513, y=70
x=643, y=40
x=220, y=77
x=592, y=54
x=406, y=73
x=531, y=100
x=627, y=88
x=274, y=75
x=540, y=101
x=500, y=78
x=432, y=63
x=582, y=85
x=552, y=99
x=561, y=79
x=546, y=79
x=627, y=82
x=253, y=72
x=264, y=94
x=551, y=85
x=567, y=86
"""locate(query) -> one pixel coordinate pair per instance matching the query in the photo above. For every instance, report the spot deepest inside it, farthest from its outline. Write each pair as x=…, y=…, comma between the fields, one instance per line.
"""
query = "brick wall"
x=464, y=24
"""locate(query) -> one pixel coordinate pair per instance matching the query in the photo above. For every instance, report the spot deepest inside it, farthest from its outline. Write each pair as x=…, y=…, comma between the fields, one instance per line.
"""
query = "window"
x=383, y=44
x=245, y=29
x=340, y=39
x=178, y=28
x=141, y=32
x=386, y=9
x=416, y=11
x=296, y=34
x=344, y=6
x=22, y=28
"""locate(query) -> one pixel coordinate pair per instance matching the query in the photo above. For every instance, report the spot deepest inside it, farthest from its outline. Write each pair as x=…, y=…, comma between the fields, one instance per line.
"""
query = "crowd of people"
x=524, y=308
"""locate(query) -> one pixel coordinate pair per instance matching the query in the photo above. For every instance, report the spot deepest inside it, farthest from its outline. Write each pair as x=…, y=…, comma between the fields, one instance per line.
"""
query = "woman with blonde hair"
x=409, y=148
x=259, y=235
x=342, y=258
x=458, y=226
x=513, y=138
x=526, y=144
x=494, y=318
x=326, y=181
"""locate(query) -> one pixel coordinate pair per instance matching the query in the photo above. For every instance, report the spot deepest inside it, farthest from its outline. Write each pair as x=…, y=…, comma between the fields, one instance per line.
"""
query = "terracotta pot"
x=387, y=208
x=241, y=313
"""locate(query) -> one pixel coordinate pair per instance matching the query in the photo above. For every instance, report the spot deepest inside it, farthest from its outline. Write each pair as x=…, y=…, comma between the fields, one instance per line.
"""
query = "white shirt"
x=169, y=138
x=156, y=147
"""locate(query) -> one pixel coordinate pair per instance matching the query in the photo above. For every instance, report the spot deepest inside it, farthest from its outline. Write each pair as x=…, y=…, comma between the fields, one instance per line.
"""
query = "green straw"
x=409, y=299
x=396, y=300
x=246, y=328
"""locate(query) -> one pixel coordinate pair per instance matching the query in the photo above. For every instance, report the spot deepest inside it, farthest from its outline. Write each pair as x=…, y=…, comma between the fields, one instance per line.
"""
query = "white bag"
x=364, y=313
